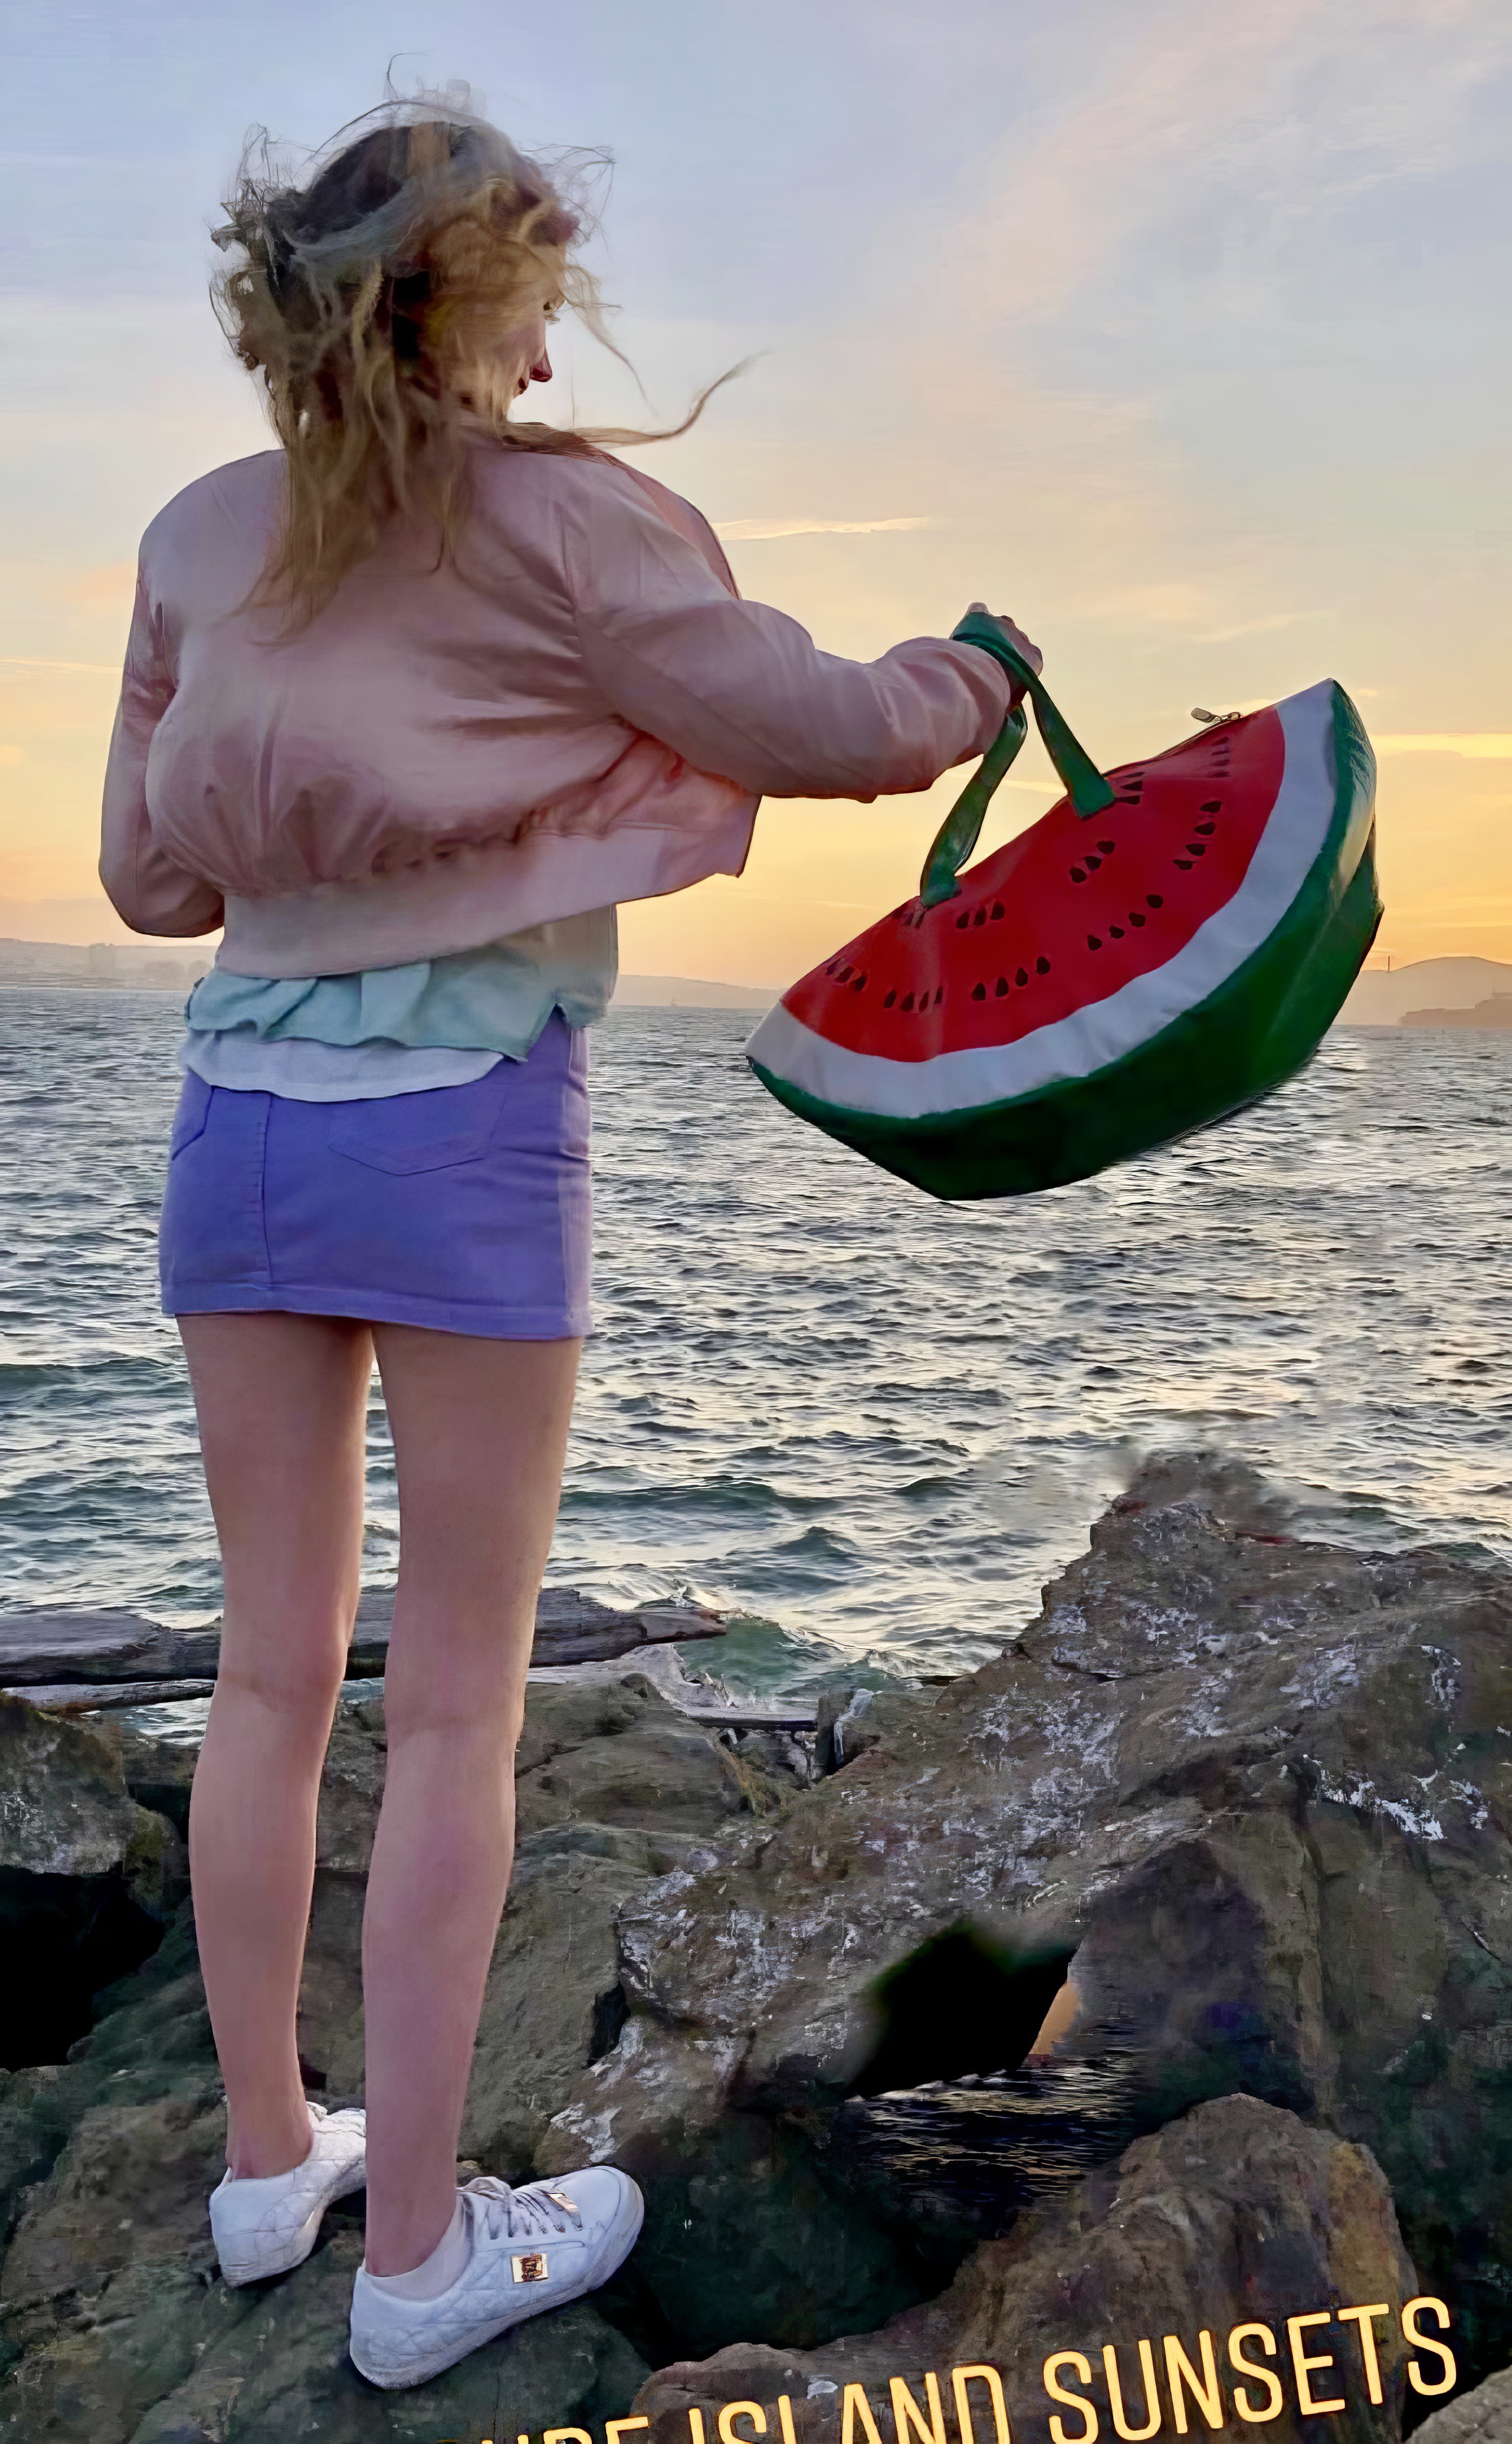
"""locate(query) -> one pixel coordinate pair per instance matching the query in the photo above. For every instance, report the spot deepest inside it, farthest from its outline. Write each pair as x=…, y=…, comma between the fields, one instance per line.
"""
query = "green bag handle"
x=1084, y=785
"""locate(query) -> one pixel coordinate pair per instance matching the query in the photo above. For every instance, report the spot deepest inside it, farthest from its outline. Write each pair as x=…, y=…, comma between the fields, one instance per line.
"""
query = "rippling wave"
x=872, y=1422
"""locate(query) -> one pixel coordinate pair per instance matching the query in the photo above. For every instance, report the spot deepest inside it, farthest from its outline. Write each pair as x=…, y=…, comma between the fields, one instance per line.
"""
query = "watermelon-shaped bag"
x=1162, y=947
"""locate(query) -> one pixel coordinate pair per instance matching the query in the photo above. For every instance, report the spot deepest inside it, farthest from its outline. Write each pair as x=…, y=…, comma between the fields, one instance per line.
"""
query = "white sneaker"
x=531, y=2249
x=264, y=2227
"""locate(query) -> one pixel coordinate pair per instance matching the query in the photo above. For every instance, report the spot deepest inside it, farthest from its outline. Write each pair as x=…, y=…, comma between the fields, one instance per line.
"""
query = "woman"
x=409, y=704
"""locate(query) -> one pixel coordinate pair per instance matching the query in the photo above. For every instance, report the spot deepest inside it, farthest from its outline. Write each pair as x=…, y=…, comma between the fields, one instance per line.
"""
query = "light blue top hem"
x=496, y=999
x=399, y=1031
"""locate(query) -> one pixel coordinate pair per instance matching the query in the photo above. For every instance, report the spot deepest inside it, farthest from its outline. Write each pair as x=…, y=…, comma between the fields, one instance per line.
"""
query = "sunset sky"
x=1179, y=331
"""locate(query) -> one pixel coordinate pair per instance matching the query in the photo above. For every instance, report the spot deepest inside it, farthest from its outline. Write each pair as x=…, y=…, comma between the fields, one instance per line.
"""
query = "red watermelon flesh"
x=1065, y=913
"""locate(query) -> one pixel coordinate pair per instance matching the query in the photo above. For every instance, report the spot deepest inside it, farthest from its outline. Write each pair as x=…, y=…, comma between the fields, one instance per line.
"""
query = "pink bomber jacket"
x=577, y=709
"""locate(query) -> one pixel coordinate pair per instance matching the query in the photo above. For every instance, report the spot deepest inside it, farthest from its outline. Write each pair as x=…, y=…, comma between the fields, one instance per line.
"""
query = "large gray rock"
x=615, y=1787
x=1204, y=1782
x=115, y=2325
x=1236, y=2214
x=1482, y=2416
x=1253, y=1793
x=88, y=1878
x=65, y=1808
x=156, y=2355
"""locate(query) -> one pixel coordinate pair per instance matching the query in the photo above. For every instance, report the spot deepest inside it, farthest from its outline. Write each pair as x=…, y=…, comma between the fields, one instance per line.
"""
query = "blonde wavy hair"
x=373, y=300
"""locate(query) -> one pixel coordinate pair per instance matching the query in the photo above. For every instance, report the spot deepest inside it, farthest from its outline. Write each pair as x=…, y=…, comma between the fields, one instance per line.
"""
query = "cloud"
x=1181, y=606
x=1264, y=627
x=1490, y=744
x=34, y=663
x=772, y=530
x=1225, y=135
x=1174, y=605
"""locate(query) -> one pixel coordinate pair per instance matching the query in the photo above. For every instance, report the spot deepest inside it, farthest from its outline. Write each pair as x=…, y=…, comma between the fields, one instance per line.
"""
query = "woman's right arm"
x=147, y=889
x=741, y=690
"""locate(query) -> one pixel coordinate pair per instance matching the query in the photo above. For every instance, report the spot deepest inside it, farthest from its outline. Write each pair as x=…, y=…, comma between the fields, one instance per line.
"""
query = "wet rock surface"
x=88, y=1878
x=1480, y=2416
x=1252, y=1794
x=113, y=2321
x=1163, y=1964
x=1235, y=2214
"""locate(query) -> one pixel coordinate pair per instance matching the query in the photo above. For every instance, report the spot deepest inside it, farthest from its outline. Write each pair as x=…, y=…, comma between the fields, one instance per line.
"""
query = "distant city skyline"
x=1165, y=330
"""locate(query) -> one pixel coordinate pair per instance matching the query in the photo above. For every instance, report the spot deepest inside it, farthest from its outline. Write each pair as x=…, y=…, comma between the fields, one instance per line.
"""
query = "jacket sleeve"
x=742, y=689
x=147, y=889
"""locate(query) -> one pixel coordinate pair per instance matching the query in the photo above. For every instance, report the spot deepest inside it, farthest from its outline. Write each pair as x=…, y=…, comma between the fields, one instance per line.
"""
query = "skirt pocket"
x=191, y=1114
x=431, y=1131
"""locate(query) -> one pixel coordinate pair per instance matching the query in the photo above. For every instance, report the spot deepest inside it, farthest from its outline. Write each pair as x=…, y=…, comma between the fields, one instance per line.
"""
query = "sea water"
x=871, y=1423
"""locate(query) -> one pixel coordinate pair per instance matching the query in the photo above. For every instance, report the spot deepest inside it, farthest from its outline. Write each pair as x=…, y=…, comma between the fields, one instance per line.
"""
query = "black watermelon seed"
x=1135, y=917
x=1206, y=829
x=1093, y=864
x=961, y=924
x=1042, y=967
x=888, y=999
x=1211, y=807
x=1116, y=930
x=1076, y=874
x=1107, y=847
x=997, y=910
x=1093, y=942
x=858, y=984
x=1185, y=864
x=939, y=996
x=1020, y=977
x=1153, y=900
x=979, y=992
x=1000, y=987
x=908, y=1001
x=1196, y=848
x=981, y=916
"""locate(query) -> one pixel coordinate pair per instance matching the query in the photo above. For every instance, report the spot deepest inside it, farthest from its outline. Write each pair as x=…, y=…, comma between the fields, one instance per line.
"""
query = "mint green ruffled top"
x=495, y=999
x=389, y=1030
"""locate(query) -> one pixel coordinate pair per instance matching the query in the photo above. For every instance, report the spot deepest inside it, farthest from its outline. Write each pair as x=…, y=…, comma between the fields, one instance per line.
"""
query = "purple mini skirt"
x=467, y=1209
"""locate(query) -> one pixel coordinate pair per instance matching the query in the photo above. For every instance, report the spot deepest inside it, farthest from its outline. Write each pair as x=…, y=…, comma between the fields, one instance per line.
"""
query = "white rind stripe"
x=1101, y=1032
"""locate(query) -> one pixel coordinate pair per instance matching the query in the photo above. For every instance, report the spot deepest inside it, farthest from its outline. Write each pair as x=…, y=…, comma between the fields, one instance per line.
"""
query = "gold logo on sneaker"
x=532, y=2267
x=559, y=2198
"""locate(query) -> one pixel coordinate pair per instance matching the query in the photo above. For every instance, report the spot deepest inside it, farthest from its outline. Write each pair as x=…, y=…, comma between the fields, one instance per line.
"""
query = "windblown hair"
x=371, y=301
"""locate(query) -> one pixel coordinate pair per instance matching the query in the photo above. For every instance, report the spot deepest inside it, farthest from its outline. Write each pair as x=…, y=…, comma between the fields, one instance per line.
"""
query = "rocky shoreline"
x=1154, y=1981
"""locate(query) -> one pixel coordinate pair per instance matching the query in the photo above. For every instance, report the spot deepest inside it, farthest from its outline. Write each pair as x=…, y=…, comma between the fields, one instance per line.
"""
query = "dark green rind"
x=1261, y=1026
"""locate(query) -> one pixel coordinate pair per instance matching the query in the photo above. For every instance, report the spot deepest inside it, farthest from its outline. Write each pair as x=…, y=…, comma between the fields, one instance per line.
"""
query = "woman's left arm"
x=147, y=889
x=740, y=689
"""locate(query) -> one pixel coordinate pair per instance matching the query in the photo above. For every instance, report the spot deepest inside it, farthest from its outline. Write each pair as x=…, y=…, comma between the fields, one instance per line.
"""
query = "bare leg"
x=480, y=1431
x=282, y=1402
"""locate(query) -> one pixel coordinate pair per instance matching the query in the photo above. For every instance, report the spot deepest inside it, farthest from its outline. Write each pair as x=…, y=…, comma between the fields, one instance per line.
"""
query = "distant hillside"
x=128, y=964
x=689, y=992
x=1427, y=994
x=1379, y=999
x=149, y=964
x=1497, y=1012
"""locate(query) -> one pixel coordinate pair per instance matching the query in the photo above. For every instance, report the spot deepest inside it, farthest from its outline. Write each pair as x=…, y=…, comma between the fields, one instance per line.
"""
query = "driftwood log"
x=58, y=1650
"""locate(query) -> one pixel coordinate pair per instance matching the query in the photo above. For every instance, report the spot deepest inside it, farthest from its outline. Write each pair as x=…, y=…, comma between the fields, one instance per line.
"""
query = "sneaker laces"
x=349, y=2118
x=524, y=2214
